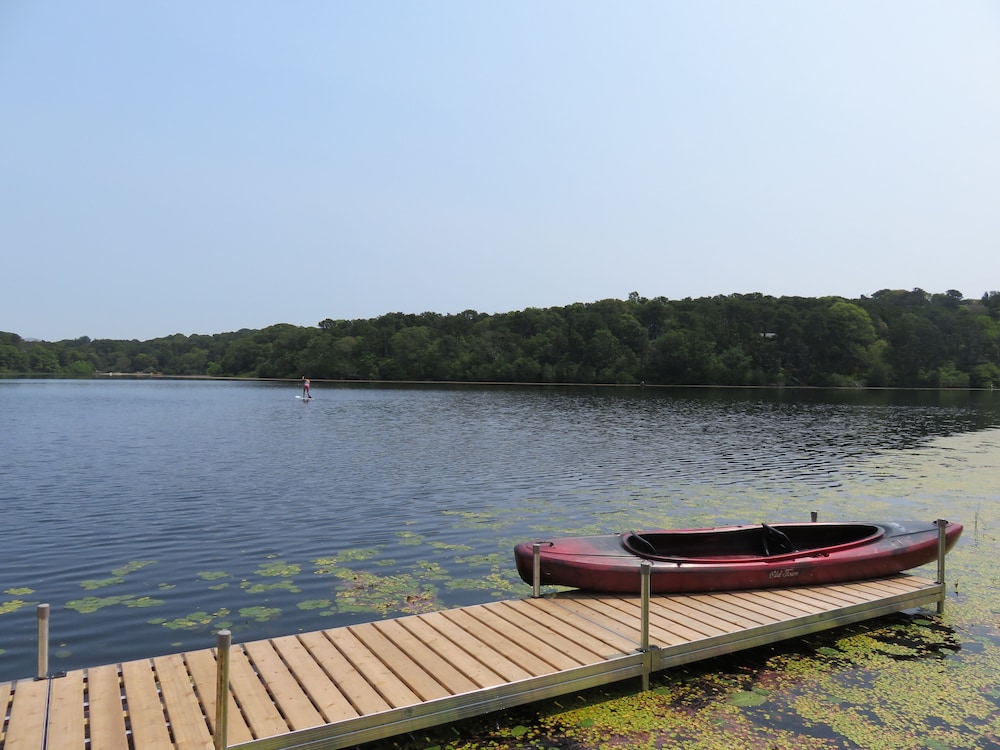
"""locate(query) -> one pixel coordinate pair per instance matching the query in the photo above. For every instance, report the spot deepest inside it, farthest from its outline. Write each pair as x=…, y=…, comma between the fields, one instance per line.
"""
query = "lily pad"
x=212, y=575
x=259, y=588
x=194, y=621
x=132, y=567
x=12, y=606
x=143, y=602
x=747, y=698
x=100, y=583
x=90, y=604
x=279, y=569
x=259, y=614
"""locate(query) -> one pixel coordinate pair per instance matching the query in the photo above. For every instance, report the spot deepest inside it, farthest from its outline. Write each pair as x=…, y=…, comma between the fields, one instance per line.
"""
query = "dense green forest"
x=892, y=338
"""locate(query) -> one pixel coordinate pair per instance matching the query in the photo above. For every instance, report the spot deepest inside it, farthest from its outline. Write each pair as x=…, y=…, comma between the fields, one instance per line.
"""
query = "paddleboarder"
x=305, y=387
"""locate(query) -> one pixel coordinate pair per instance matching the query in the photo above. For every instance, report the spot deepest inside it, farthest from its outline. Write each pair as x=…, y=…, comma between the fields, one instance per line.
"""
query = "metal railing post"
x=223, y=640
x=814, y=516
x=42, y=613
x=942, y=525
x=646, y=567
x=536, y=570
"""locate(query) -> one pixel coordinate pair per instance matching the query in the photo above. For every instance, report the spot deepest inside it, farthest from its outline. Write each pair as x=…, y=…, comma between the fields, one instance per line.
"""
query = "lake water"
x=151, y=513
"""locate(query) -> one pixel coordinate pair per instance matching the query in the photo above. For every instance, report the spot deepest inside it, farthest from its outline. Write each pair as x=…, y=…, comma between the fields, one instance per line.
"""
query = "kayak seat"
x=775, y=541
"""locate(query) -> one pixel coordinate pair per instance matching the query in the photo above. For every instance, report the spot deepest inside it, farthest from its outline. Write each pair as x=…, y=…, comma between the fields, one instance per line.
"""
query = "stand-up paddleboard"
x=304, y=398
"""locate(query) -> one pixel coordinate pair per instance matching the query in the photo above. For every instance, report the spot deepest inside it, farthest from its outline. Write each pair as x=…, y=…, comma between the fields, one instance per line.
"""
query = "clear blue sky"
x=201, y=167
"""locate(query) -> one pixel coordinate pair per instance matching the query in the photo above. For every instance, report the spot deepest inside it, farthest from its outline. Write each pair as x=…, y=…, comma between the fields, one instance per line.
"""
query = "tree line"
x=892, y=338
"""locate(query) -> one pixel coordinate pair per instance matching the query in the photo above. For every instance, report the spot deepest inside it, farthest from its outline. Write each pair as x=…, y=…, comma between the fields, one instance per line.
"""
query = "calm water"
x=151, y=513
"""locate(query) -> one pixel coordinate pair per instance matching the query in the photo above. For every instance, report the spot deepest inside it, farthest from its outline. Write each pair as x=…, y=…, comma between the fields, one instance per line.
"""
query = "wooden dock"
x=341, y=687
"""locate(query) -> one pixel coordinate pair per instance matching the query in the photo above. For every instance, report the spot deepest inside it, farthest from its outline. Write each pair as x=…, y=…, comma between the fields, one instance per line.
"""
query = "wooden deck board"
x=145, y=707
x=602, y=613
x=26, y=728
x=339, y=687
x=329, y=701
x=670, y=620
x=106, y=714
x=779, y=603
x=445, y=673
x=462, y=661
x=365, y=662
x=5, y=690
x=750, y=606
x=203, y=668
x=66, y=727
x=726, y=610
x=706, y=619
x=496, y=662
x=184, y=711
x=261, y=715
x=543, y=658
x=576, y=644
x=420, y=679
x=607, y=643
x=293, y=703
x=355, y=688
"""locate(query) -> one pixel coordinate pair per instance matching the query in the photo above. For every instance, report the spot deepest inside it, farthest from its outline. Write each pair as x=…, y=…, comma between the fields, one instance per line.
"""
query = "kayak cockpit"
x=747, y=543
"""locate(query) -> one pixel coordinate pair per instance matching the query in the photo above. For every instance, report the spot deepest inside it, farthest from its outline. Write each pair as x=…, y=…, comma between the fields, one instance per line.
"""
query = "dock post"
x=646, y=567
x=223, y=640
x=42, y=613
x=942, y=525
x=536, y=570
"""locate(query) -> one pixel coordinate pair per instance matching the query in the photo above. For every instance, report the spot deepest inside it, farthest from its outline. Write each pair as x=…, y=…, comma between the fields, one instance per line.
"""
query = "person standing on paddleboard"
x=305, y=387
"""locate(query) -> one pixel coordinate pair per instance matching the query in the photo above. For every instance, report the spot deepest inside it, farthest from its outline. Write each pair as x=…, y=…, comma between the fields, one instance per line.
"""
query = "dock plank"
x=706, y=620
x=184, y=711
x=779, y=603
x=462, y=661
x=292, y=701
x=753, y=616
x=418, y=678
x=539, y=656
x=329, y=701
x=26, y=728
x=66, y=729
x=604, y=614
x=203, y=668
x=378, y=674
x=615, y=642
x=500, y=638
x=575, y=644
x=498, y=663
x=766, y=615
x=5, y=690
x=824, y=599
x=262, y=716
x=352, y=684
x=444, y=671
x=145, y=708
x=737, y=617
x=670, y=622
x=106, y=715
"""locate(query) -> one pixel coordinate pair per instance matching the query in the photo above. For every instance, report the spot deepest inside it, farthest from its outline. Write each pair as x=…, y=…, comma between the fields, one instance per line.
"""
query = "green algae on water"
x=12, y=606
x=259, y=614
x=195, y=621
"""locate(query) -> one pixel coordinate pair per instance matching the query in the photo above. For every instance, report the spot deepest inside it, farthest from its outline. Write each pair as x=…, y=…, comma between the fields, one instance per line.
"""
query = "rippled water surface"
x=151, y=513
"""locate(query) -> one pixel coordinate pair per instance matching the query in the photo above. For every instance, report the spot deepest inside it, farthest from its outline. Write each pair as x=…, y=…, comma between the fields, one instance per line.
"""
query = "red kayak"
x=735, y=557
